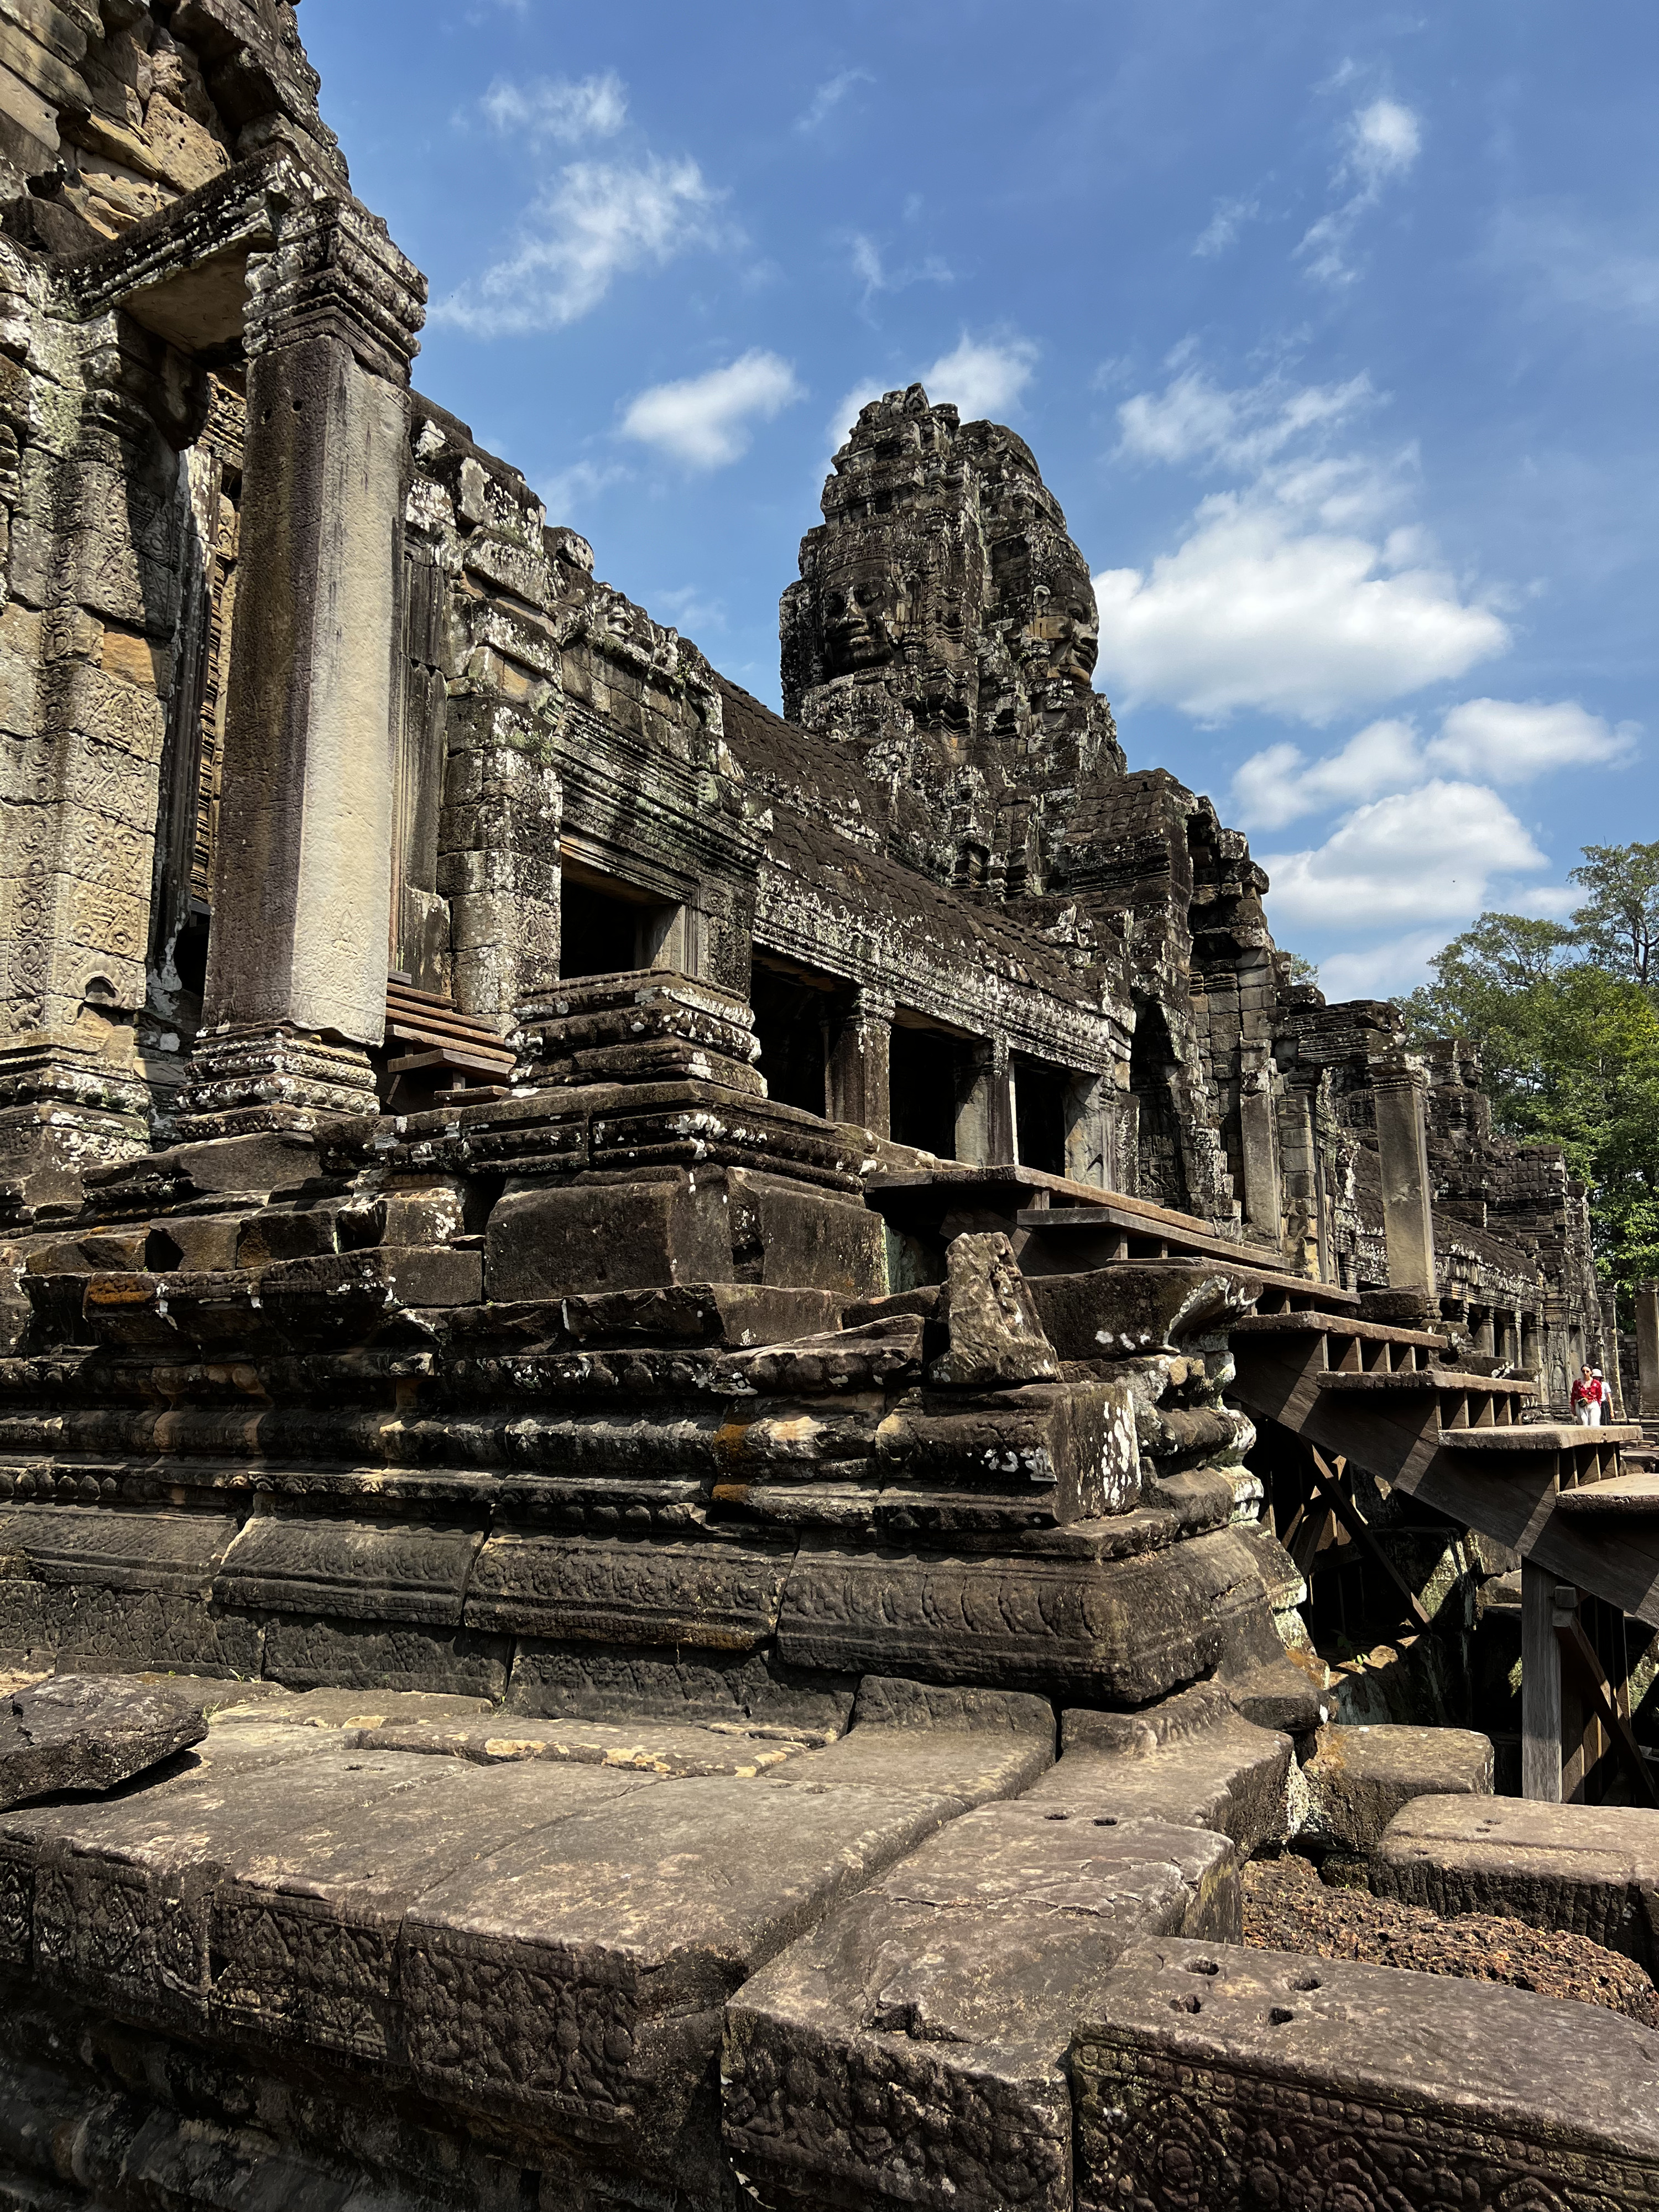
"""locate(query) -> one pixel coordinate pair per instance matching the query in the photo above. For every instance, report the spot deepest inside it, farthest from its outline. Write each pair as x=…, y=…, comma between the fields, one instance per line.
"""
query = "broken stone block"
x=1359, y=1778
x=1137, y=1307
x=91, y=1732
x=1192, y=1761
x=995, y=1333
x=912, y=2051
x=1591, y=1870
x=1212, y=2076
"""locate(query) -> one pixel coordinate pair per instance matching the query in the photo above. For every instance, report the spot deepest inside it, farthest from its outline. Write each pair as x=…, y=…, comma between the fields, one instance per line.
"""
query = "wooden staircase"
x=1383, y=1398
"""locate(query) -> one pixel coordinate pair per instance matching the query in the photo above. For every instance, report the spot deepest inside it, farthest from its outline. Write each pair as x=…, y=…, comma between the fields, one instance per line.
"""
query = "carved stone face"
x=1061, y=638
x=863, y=618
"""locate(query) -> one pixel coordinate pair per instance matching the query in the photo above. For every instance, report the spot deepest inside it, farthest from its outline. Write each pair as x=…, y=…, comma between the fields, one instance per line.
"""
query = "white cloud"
x=594, y=222
x=1381, y=971
x=980, y=377
x=1224, y=227
x=1415, y=857
x=1512, y=741
x=1572, y=263
x=706, y=421
x=1500, y=741
x=1250, y=611
x=1382, y=142
x=869, y=267
x=570, y=492
x=560, y=107
x=1385, y=141
x=1275, y=786
x=828, y=97
x=1194, y=417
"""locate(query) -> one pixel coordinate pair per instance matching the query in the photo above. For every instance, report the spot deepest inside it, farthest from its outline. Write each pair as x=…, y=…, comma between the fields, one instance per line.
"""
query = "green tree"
x=1618, y=922
x=1569, y=1048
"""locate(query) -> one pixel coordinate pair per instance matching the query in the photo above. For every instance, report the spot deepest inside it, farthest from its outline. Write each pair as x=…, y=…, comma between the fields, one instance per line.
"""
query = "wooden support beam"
x=1540, y=1688
x=1332, y=1489
x=1610, y=1711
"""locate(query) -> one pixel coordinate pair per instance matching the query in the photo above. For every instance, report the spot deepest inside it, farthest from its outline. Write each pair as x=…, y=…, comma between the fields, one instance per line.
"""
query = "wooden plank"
x=1540, y=1686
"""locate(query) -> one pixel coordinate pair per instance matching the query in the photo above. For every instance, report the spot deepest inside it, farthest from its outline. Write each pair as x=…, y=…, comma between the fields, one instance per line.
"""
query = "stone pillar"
x=1090, y=1134
x=96, y=575
x=1258, y=1133
x=985, y=1104
x=1611, y=1368
x=860, y=1064
x=1647, y=1351
x=1403, y=1157
x=303, y=877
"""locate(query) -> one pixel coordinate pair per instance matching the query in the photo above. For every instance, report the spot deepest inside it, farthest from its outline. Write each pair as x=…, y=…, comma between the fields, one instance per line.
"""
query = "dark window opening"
x=923, y=1086
x=1040, y=1116
x=790, y=1021
x=1153, y=1072
x=603, y=932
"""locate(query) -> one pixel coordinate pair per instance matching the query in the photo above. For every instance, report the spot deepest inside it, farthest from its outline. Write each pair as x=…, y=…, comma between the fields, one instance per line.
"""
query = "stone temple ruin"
x=676, y=1385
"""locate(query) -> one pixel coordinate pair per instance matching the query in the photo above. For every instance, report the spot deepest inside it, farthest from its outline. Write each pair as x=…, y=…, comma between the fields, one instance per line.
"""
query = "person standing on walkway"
x=1589, y=1396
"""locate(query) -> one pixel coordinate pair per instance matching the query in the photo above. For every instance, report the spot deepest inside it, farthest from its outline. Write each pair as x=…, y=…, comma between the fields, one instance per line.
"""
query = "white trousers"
x=1589, y=1416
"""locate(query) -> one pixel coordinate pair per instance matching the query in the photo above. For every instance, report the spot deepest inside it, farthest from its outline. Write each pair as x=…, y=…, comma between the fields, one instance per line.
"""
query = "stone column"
x=1647, y=1351
x=1258, y=1135
x=985, y=1104
x=298, y=955
x=1090, y=1133
x=1403, y=1158
x=860, y=1064
x=1612, y=1368
x=96, y=561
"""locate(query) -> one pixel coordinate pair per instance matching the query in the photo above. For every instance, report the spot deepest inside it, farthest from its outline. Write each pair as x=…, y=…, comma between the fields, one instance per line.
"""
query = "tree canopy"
x=1567, y=1018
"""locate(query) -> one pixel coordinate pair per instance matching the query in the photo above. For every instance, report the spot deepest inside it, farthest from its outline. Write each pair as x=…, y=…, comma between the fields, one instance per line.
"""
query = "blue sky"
x=1330, y=325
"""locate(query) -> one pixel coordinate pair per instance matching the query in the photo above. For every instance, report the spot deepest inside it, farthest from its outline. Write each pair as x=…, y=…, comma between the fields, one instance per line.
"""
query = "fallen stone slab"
x=1592, y=1869
x=1220, y=2078
x=90, y=1732
x=911, y=2052
x=1358, y=1778
x=1192, y=1761
x=1287, y=1907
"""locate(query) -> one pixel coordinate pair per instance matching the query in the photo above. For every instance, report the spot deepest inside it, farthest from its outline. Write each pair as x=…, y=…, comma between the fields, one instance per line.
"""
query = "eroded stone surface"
x=1209, y=2072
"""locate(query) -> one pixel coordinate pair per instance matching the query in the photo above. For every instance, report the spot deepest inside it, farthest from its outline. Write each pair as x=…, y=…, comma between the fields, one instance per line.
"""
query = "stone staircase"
x=1383, y=1398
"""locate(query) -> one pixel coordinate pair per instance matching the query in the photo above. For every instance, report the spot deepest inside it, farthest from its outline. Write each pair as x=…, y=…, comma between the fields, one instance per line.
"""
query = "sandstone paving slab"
x=1216, y=2077
x=1192, y=1761
x=577, y=1982
x=303, y=1933
x=911, y=2052
x=90, y=1733
x=1359, y=1778
x=1590, y=1869
x=123, y=1894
